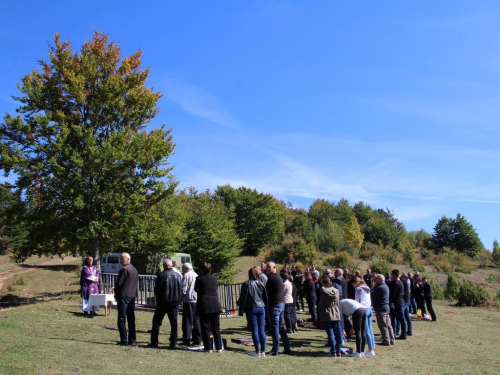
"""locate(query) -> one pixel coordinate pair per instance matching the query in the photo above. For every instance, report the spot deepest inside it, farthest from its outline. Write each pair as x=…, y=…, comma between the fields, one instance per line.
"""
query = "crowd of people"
x=338, y=302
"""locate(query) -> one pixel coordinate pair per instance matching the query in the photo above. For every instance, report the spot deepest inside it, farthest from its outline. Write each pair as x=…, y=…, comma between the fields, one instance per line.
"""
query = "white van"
x=110, y=263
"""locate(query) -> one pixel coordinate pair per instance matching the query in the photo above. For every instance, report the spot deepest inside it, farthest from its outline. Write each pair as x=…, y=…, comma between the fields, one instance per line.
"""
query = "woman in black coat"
x=208, y=307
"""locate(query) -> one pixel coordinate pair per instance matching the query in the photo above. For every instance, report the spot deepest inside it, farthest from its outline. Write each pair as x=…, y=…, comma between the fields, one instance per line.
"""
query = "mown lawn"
x=53, y=337
x=44, y=332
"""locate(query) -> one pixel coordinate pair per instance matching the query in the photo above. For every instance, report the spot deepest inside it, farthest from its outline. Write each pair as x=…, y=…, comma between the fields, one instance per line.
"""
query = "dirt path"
x=6, y=275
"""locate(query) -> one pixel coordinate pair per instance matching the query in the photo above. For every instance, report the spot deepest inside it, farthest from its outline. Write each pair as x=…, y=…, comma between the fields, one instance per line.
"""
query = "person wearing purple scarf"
x=89, y=283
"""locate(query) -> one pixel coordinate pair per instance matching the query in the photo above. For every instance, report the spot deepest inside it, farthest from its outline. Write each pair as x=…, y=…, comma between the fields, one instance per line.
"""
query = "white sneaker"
x=219, y=351
x=369, y=353
x=262, y=354
x=359, y=355
x=254, y=354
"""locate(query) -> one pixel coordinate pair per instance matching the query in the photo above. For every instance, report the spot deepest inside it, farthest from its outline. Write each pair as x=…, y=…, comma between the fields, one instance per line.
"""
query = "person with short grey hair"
x=191, y=329
x=125, y=293
x=380, y=301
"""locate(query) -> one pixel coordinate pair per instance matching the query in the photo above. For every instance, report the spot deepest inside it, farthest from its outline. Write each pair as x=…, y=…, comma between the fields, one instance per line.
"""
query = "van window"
x=185, y=259
x=113, y=260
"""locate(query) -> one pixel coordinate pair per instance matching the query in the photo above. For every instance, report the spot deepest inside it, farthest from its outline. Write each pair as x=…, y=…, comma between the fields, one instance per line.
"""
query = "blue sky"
x=396, y=104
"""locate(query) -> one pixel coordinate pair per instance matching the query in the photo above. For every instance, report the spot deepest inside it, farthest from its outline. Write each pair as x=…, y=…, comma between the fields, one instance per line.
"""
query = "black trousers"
x=191, y=329
x=172, y=311
x=289, y=316
x=300, y=297
x=359, y=325
x=207, y=321
x=428, y=302
x=126, y=312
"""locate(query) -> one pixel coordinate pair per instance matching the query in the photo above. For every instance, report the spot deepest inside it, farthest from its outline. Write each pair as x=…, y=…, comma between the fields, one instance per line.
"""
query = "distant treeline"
x=221, y=225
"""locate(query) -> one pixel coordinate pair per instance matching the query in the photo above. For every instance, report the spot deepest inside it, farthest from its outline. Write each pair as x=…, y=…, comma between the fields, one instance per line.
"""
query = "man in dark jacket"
x=309, y=292
x=380, y=301
x=407, y=303
x=168, y=291
x=428, y=298
x=125, y=293
x=276, y=308
x=368, y=278
x=396, y=299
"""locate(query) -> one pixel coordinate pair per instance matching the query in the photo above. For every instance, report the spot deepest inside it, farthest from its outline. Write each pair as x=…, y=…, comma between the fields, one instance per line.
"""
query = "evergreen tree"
x=496, y=253
x=457, y=234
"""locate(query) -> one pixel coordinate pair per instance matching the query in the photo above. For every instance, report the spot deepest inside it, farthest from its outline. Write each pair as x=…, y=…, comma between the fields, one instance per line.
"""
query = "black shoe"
x=401, y=338
x=132, y=343
x=196, y=343
x=172, y=346
x=151, y=345
x=187, y=343
x=288, y=352
x=121, y=343
x=409, y=334
x=273, y=354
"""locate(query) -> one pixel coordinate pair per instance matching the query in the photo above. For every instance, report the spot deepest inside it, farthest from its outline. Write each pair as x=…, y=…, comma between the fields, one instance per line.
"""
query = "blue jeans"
x=276, y=317
x=399, y=319
x=255, y=319
x=413, y=304
x=407, y=314
x=370, y=337
x=126, y=311
x=334, y=333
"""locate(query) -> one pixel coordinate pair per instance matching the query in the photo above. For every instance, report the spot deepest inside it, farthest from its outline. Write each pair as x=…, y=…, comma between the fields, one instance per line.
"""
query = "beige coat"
x=328, y=305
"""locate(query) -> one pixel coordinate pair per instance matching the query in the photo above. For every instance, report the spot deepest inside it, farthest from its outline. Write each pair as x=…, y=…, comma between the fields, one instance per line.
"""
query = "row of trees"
x=90, y=178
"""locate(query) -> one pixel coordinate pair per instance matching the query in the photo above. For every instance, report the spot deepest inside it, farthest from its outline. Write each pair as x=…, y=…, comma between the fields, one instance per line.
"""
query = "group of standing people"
x=200, y=306
x=271, y=298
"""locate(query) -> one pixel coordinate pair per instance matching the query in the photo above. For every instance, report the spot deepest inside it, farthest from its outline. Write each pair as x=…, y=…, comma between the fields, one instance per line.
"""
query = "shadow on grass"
x=11, y=300
x=58, y=267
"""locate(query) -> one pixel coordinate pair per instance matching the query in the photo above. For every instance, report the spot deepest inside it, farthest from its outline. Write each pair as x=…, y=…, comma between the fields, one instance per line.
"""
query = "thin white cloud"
x=199, y=102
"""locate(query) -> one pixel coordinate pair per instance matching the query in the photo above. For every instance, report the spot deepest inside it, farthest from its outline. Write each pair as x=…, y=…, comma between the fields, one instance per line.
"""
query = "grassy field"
x=44, y=332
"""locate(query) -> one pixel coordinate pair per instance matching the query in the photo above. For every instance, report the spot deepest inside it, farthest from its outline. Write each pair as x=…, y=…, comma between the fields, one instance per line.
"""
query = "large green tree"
x=210, y=235
x=457, y=234
x=85, y=165
x=259, y=217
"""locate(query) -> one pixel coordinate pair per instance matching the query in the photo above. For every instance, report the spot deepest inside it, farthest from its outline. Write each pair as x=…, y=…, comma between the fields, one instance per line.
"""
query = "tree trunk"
x=95, y=253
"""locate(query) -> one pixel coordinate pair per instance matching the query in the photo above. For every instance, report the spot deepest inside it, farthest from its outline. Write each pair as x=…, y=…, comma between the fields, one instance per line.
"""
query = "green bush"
x=492, y=278
x=417, y=266
x=389, y=254
x=380, y=266
x=471, y=294
x=368, y=251
x=437, y=291
x=20, y=281
x=452, y=288
x=293, y=247
x=466, y=270
x=408, y=254
x=338, y=260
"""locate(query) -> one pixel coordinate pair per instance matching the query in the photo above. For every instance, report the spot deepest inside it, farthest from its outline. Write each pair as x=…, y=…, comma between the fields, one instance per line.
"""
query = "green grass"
x=54, y=338
x=51, y=336
x=44, y=332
